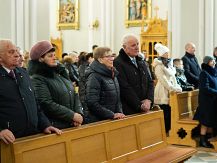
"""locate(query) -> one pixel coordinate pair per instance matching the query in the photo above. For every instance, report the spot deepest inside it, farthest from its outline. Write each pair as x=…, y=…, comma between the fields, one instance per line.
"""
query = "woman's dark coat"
x=102, y=93
x=82, y=87
x=207, y=109
x=73, y=72
x=55, y=93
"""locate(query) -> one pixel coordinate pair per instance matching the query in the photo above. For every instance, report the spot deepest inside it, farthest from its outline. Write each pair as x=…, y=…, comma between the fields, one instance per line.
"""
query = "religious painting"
x=137, y=11
x=68, y=14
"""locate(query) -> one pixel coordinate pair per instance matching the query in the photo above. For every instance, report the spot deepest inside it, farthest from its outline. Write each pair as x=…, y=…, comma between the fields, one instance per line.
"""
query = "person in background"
x=26, y=59
x=215, y=55
x=54, y=91
x=85, y=59
x=64, y=54
x=70, y=61
x=166, y=82
x=180, y=76
x=19, y=112
x=145, y=59
x=94, y=47
x=191, y=66
x=136, y=84
x=21, y=57
x=102, y=88
x=206, y=112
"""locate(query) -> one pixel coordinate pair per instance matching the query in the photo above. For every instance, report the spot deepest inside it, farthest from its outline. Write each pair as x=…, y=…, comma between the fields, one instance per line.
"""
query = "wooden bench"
x=183, y=106
x=140, y=136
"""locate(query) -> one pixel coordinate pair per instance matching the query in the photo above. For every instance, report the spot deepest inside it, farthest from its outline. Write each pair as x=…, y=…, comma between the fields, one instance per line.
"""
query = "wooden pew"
x=138, y=136
x=213, y=141
x=183, y=106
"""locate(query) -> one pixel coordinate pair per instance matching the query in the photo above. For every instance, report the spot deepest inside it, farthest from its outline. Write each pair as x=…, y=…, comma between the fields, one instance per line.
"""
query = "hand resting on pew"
x=7, y=136
x=146, y=105
x=119, y=116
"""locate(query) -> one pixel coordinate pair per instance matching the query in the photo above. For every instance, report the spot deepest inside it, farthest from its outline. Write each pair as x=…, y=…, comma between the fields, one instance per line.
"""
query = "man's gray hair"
x=189, y=44
x=3, y=43
x=73, y=53
x=127, y=37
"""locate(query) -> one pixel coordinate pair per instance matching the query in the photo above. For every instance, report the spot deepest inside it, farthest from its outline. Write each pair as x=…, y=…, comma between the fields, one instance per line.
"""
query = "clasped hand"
x=146, y=105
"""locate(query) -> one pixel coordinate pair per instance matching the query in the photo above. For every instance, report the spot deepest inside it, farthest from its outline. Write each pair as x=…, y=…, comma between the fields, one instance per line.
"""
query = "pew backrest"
x=108, y=141
x=184, y=104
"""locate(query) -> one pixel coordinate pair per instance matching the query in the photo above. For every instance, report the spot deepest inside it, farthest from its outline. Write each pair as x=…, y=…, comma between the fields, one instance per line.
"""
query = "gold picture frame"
x=68, y=14
x=137, y=11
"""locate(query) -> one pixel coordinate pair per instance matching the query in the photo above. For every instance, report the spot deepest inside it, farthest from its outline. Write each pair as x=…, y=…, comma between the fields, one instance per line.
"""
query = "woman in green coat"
x=54, y=91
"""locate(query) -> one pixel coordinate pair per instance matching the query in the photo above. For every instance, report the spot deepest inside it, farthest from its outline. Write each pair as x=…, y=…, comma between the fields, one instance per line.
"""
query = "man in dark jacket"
x=19, y=115
x=136, y=84
x=191, y=66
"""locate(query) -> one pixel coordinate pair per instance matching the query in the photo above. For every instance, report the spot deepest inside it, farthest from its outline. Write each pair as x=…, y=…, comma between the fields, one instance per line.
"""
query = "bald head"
x=190, y=48
x=130, y=45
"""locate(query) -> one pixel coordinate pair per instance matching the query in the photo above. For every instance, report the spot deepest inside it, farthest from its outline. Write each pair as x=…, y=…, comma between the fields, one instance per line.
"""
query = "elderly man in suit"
x=19, y=114
x=136, y=84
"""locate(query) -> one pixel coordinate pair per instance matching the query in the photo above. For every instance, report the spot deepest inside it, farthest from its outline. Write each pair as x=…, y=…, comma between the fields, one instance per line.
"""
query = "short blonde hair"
x=100, y=52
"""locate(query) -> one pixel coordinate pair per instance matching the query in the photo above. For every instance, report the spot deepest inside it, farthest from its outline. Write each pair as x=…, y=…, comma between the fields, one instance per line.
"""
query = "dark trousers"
x=167, y=116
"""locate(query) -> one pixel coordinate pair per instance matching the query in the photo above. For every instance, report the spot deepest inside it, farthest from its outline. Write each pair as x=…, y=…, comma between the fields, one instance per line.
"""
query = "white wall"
x=43, y=20
x=5, y=27
x=111, y=16
x=29, y=21
x=189, y=24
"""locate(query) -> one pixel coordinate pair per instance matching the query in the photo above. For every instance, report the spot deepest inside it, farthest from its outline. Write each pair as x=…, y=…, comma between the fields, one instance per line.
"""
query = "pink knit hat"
x=40, y=48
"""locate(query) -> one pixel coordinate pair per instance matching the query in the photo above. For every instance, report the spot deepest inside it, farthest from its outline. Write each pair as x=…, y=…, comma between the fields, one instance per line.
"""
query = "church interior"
x=77, y=25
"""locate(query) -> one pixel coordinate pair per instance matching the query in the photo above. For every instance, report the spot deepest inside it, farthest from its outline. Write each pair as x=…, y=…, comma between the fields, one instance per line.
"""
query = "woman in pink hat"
x=54, y=91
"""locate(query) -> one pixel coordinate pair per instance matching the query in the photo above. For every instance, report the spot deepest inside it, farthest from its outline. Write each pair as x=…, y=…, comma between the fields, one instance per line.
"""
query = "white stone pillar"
x=209, y=25
x=175, y=27
x=215, y=24
x=112, y=25
x=201, y=34
x=33, y=22
x=26, y=29
x=20, y=30
x=13, y=22
x=107, y=23
x=169, y=24
x=90, y=19
x=107, y=37
x=104, y=34
x=103, y=23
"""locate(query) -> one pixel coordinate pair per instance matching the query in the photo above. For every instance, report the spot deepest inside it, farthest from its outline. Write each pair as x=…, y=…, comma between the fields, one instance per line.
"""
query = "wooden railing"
x=108, y=141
